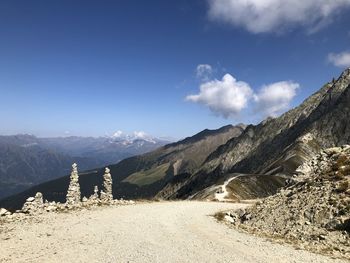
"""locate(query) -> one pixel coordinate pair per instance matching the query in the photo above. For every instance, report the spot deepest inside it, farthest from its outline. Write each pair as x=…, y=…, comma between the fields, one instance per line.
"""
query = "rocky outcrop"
x=313, y=212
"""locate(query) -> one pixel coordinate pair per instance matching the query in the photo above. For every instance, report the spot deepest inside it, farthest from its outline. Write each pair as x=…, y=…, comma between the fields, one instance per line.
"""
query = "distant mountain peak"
x=135, y=136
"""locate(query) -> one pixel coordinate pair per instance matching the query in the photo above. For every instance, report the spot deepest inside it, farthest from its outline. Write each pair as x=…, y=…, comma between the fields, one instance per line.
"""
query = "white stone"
x=3, y=211
x=30, y=199
x=229, y=219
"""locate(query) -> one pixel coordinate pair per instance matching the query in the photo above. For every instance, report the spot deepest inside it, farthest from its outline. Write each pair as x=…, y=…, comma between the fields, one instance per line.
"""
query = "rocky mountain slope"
x=314, y=212
x=262, y=156
x=140, y=176
x=26, y=160
x=277, y=146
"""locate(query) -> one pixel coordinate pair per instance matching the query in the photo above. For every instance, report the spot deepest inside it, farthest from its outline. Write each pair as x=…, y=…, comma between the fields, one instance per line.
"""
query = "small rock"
x=30, y=199
x=333, y=224
x=229, y=219
x=246, y=217
x=51, y=208
x=3, y=211
x=322, y=237
x=334, y=150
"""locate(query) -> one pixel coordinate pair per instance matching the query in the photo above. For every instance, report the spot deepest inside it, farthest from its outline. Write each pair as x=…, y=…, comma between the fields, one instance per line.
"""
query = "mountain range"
x=26, y=160
x=251, y=161
x=277, y=146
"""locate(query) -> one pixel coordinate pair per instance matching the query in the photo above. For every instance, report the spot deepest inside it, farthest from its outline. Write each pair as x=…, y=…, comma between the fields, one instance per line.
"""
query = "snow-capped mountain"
x=136, y=136
x=26, y=160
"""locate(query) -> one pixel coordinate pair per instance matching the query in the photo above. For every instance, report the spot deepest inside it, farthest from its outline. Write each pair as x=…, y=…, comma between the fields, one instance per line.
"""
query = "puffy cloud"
x=273, y=99
x=229, y=97
x=204, y=71
x=226, y=97
x=341, y=60
x=259, y=16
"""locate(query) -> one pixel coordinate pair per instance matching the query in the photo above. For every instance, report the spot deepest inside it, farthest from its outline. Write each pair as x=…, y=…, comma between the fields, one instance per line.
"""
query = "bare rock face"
x=106, y=194
x=73, y=197
x=314, y=212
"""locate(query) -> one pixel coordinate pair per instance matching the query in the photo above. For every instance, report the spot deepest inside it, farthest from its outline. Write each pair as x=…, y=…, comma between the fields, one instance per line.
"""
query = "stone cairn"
x=37, y=205
x=93, y=199
x=106, y=194
x=73, y=194
x=33, y=205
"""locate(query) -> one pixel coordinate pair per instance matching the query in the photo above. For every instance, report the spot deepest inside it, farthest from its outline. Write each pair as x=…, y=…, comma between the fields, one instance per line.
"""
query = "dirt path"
x=222, y=196
x=223, y=193
x=153, y=232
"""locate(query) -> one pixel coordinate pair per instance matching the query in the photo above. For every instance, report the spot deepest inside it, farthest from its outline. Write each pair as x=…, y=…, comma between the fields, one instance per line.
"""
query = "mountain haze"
x=144, y=175
x=26, y=160
x=250, y=161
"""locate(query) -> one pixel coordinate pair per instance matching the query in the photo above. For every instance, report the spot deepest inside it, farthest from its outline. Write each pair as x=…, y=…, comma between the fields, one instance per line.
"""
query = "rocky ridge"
x=140, y=176
x=313, y=212
x=277, y=146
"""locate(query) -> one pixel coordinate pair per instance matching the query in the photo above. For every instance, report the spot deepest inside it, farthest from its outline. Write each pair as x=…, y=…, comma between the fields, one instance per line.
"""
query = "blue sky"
x=94, y=67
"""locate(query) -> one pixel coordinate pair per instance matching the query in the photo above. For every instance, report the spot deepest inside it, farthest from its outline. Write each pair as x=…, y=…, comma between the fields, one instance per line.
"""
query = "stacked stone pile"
x=106, y=194
x=36, y=205
x=33, y=205
x=93, y=200
x=313, y=212
x=73, y=197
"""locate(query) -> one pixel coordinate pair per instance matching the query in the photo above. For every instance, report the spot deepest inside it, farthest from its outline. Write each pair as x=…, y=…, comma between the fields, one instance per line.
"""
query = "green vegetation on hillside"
x=149, y=176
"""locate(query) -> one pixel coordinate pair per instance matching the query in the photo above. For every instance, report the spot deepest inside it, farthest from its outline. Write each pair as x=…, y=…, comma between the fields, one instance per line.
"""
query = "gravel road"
x=148, y=232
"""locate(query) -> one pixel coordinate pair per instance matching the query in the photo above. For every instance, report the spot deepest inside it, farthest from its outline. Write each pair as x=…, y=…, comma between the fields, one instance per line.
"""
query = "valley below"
x=177, y=231
x=297, y=165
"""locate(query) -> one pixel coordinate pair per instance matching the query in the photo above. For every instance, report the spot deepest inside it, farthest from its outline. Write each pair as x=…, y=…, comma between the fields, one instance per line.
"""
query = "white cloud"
x=204, y=71
x=341, y=60
x=226, y=97
x=259, y=16
x=273, y=99
x=229, y=97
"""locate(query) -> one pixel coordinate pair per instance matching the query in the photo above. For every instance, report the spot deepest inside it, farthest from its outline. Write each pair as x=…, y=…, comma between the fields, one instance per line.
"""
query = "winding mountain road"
x=148, y=232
